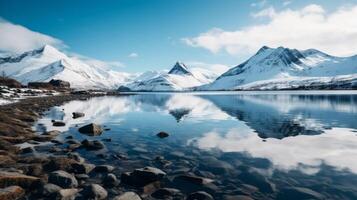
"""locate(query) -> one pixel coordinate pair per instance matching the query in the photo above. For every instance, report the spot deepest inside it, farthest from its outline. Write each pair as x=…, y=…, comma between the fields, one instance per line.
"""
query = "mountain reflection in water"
x=302, y=140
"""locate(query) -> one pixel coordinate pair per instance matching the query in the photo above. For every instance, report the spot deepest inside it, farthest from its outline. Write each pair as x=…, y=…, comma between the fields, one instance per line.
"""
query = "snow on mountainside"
x=48, y=63
x=283, y=68
x=177, y=79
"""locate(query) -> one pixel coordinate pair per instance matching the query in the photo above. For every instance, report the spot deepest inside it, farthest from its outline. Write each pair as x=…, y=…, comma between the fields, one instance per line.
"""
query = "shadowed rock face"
x=9, y=82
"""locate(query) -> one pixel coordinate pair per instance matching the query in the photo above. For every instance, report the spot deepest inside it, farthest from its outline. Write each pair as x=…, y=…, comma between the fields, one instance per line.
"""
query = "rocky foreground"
x=61, y=173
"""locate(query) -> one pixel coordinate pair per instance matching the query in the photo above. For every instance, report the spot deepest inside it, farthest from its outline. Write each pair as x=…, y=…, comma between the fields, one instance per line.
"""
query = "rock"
x=258, y=180
x=82, y=168
x=66, y=194
x=59, y=163
x=162, y=134
x=12, y=192
x=110, y=180
x=165, y=193
x=91, y=129
x=49, y=189
x=128, y=196
x=15, y=178
x=237, y=197
x=63, y=179
x=59, y=83
x=298, y=193
x=193, y=179
x=94, y=191
x=82, y=176
x=58, y=123
x=143, y=176
x=216, y=166
x=92, y=145
x=52, y=133
x=104, y=168
x=27, y=150
x=77, y=115
x=201, y=195
x=76, y=157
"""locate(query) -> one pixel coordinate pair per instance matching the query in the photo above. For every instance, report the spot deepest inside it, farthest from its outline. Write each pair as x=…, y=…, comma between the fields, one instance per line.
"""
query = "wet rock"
x=165, y=193
x=49, y=189
x=162, y=134
x=237, y=197
x=58, y=123
x=82, y=168
x=215, y=166
x=72, y=141
x=81, y=176
x=92, y=145
x=63, y=179
x=298, y=193
x=193, y=179
x=52, y=133
x=128, y=196
x=76, y=157
x=201, y=195
x=110, y=180
x=66, y=194
x=15, y=178
x=104, y=168
x=56, y=142
x=27, y=150
x=143, y=176
x=94, y=191
x=258, y=180
x=59, y=163
x=12, y=192
x=77, y=115
x=42, y=138
x=91, y=129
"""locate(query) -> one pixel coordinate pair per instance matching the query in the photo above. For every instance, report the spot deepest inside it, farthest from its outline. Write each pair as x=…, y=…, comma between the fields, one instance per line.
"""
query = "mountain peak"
x=179, y=68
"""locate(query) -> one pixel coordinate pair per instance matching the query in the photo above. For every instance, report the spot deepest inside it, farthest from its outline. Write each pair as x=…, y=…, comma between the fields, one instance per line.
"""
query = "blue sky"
x=156, y=33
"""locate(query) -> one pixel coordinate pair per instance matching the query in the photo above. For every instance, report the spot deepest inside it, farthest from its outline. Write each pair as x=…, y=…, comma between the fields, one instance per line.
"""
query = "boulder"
x=52, y=133
x=91, y=129
x=82, y=168
x=12, y=192
x=49, y=189
x=197, y=180
x=162, y=134
x=127, y=196
x=165, y=193
x=27, y=150
x=94, y=191
x=58, y=123
x=15, y=178
x=143, y=176
x=200, y=195
x=92, y=145
x=63, y=179
x=77, y=115
x=110, y=180
x=104, y=168
x=66, y=194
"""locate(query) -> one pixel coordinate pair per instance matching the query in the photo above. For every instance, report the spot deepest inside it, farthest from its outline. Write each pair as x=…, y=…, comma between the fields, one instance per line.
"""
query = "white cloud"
x=16, y=38
x=216, y=68
x=309, y=27
x=133, y=55
x=285, y=3
x=98, y=63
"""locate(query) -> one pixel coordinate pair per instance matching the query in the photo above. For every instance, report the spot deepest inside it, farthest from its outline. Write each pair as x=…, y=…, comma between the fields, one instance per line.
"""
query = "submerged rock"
x=49, y=189
x=94, y=191
x=193, y=179
x=104, y=168
x=82, y=168
x=63, y=179
x=92, y=145
x=143, y=176
x=110, y=180
x=127, y=196
x=77, y=115
x=165, y=193
x=162, y=134
x=200, y=195
x=91, y=129
x=12, y=192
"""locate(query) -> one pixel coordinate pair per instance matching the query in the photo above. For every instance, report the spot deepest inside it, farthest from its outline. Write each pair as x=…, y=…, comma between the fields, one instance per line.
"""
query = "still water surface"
x=257, y=143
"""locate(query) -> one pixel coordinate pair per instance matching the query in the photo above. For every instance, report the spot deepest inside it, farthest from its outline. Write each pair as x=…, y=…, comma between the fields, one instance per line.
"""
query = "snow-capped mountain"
x=48, y=63
x=284, y=68
x=177, y=79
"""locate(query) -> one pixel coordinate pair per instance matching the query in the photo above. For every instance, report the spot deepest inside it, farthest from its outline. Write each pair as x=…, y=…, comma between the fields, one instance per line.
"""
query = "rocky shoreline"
x=57, y=171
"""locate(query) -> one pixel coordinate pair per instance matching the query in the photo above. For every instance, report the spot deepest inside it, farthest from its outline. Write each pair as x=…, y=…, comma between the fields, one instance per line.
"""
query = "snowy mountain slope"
x=177, y=79
x=277, y=68
x=48, y=63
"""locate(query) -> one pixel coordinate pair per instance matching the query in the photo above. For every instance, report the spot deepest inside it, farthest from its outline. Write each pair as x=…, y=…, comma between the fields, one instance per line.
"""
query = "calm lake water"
x=263, y=144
